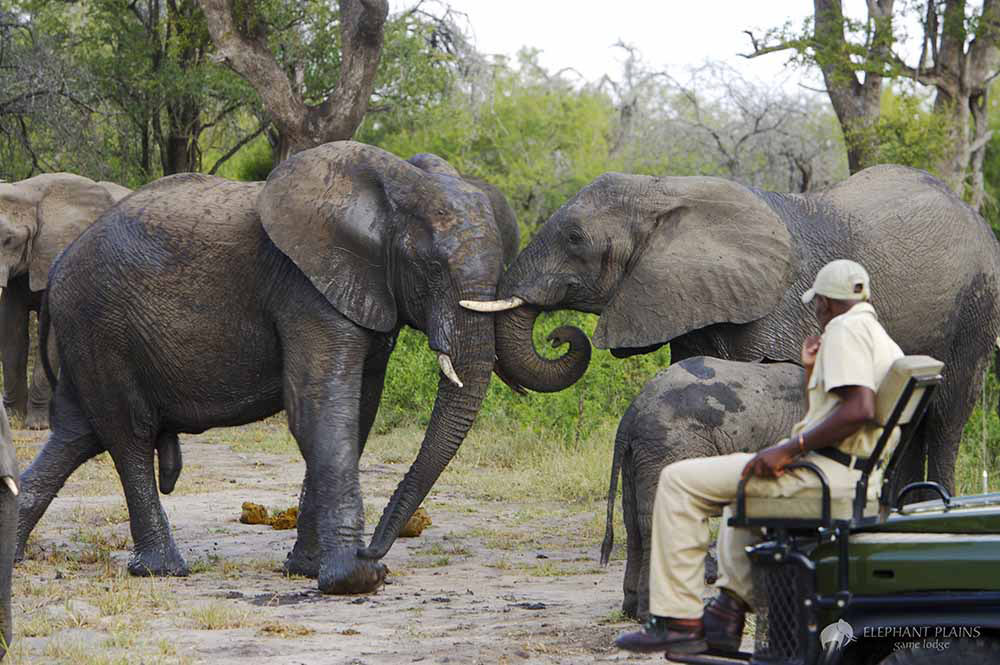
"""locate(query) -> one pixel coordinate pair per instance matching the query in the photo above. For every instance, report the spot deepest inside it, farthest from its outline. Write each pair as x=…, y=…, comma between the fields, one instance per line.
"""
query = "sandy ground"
x=489, y=582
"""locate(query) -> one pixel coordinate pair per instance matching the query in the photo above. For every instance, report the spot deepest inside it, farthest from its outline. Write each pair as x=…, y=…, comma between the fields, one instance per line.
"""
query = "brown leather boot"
x=665, y=634
x=724, y=618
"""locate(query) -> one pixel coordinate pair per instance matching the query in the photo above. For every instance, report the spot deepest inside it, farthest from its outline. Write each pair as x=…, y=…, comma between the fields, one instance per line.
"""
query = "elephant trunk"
x=519, y=360
x=8, y=528
x=8, y=543
x=455, y=409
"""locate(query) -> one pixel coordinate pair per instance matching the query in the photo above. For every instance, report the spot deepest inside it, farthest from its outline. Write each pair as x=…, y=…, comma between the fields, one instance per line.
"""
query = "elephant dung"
x=254, y=513
x=286, y=519
x=416, y=524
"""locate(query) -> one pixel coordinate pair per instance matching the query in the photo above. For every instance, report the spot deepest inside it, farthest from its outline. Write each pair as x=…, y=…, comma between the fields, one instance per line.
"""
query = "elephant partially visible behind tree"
x=39, y=217
x=698, y=407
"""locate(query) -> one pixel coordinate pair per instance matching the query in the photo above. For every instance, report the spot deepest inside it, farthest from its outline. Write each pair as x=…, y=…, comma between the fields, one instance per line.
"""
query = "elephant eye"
x=6, y=241
x=575, y=236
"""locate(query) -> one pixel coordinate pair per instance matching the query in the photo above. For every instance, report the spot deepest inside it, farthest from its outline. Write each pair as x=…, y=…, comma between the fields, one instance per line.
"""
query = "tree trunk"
x=299, y=125
x=856, y=102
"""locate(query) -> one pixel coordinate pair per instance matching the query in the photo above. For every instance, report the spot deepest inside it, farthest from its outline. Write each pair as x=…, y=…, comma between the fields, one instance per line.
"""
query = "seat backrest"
x=894, y=385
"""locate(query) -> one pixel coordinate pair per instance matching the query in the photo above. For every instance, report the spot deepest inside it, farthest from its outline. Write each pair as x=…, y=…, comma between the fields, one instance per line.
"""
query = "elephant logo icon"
x=837, y=635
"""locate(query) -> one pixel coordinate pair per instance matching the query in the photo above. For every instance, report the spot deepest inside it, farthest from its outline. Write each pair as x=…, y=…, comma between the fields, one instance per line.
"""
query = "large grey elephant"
x=201, y=302
x=8, y=528
x=716, y=268
x=698, y=407
x=39, y=217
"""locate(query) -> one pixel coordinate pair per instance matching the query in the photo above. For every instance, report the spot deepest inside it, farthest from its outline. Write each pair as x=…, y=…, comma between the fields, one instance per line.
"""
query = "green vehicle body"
x=928, y=575
x=927, y=548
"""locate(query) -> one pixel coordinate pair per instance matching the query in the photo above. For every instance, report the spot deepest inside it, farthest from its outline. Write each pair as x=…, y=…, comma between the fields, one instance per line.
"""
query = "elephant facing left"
x=201, y=302
x=39, y=217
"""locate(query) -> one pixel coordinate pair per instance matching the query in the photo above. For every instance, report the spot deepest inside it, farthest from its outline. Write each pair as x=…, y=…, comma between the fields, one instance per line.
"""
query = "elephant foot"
x=37, y=419
x=349, y=574
x=630, y=605
x=301, y=564
x=162, y=563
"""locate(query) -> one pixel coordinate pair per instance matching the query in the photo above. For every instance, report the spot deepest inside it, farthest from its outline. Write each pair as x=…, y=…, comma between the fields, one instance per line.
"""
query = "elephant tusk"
x=491, y=305
x=446, y=367
x=11, y=485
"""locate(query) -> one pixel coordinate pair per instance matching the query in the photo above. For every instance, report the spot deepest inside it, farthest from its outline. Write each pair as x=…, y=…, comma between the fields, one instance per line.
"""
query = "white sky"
x=669, y=33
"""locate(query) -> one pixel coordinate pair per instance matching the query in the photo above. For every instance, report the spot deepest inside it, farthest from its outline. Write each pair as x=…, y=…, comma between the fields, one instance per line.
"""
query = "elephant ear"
x=712, y=251
x=331, y=210
x=68, y=205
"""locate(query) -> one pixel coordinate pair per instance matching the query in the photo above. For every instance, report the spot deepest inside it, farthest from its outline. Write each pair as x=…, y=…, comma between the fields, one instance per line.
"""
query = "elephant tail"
x=616, y=466
x=44, y=324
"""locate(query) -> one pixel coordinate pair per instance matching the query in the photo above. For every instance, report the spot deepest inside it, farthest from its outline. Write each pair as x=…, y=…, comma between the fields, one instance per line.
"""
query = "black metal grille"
x=779, y=590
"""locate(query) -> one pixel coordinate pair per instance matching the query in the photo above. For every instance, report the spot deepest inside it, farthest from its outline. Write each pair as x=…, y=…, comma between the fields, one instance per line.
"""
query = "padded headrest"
x=895, y=382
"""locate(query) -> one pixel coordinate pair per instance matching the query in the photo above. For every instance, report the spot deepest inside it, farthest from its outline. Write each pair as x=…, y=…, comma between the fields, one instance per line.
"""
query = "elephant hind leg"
x=130, y=436
x=71, y=443
x=168, y=455
x=946, y=418
x=633, y=539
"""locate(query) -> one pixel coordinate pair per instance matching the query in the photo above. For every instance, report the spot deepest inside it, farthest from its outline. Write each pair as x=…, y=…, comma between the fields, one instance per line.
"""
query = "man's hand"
x=810, y=347
x=771, y=462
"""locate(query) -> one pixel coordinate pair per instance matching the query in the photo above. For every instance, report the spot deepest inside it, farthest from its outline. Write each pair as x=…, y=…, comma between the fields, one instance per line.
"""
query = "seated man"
x=844, y=369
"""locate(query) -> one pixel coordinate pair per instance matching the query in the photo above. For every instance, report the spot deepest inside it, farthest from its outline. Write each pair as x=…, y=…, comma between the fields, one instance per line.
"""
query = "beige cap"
x=841, y=280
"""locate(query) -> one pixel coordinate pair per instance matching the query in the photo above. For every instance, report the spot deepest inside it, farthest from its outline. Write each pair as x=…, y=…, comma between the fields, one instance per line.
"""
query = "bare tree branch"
x=299, y=124
x=238, y=146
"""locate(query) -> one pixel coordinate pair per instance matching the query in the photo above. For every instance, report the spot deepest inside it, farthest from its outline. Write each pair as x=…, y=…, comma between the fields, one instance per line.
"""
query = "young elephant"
x=201, y=302
x=39, y=217
x=698, y=407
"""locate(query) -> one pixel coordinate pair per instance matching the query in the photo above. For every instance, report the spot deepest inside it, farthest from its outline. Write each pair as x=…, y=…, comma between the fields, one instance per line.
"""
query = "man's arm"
x=856, y=409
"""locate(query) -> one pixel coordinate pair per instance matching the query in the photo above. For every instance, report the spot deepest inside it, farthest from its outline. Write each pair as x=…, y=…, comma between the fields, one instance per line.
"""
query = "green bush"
x=598, y=398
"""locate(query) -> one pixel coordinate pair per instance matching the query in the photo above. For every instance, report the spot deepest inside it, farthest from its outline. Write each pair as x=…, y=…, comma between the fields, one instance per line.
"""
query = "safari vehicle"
x=865, y=580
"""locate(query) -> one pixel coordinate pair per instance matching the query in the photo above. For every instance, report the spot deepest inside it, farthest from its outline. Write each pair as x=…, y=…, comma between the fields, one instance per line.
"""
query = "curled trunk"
x=455, y=409
x=519, y=360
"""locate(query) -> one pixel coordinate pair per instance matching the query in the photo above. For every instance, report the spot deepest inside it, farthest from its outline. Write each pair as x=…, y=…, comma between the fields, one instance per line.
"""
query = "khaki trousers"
x=688, y=494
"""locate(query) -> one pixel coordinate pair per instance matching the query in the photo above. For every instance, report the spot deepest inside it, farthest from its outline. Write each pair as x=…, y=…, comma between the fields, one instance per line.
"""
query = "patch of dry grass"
x=220, y=616
x=270, y=436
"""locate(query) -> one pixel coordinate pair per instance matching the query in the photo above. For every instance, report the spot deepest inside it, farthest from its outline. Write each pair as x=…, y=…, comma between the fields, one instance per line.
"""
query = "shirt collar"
x=857, y=310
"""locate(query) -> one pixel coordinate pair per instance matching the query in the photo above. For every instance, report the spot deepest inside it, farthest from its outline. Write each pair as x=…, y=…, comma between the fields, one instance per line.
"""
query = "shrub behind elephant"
x=39, y=217
x=716, y=268
x=698, y=407
x=201, y=302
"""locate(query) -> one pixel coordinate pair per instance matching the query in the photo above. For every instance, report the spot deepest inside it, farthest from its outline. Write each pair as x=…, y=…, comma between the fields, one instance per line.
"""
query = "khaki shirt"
x=855, y=350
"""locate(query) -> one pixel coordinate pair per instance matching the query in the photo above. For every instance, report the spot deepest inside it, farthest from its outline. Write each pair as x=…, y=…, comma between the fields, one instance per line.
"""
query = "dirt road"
x=490, y=582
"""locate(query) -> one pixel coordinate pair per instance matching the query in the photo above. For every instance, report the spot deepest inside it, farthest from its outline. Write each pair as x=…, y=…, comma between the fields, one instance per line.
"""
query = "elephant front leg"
x=14, y=329
x=40, y=393
x=304, y=557
x=324, y=420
